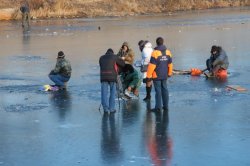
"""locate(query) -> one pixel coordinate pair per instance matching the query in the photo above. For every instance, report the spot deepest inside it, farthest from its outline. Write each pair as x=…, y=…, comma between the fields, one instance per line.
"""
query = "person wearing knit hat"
x=126, y=53
x=60, y=55
x=61, y=74
x=218, y=61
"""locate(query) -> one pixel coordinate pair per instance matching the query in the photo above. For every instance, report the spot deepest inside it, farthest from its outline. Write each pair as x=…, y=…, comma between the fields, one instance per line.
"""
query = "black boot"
x=148, y=96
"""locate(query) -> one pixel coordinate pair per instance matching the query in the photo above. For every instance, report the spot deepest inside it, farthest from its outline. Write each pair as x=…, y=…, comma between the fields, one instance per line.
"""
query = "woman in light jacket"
x=146, y=51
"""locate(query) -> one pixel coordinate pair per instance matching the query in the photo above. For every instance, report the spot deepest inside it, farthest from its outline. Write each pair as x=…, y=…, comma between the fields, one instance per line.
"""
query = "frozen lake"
x=206, y=125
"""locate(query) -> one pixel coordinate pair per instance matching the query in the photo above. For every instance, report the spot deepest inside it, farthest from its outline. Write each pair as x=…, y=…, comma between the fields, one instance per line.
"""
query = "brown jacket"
x=128, y=56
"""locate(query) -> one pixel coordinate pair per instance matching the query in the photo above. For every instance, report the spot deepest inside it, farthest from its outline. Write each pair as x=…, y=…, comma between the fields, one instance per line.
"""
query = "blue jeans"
x=58, y=79
x=161, y=94
x=108, y=104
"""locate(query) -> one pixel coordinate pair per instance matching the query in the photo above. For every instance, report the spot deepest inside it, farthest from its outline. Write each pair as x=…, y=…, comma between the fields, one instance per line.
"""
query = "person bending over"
x=131, y=81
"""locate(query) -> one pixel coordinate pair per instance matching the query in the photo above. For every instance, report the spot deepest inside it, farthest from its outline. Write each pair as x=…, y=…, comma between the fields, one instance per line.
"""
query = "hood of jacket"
x=126, y=44
x=148, y=45
x=160, y=47
x=109, y=52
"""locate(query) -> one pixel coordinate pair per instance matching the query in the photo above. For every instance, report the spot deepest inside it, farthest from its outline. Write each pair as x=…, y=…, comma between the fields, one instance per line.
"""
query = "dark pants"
x=161, y=94
x=209, y=65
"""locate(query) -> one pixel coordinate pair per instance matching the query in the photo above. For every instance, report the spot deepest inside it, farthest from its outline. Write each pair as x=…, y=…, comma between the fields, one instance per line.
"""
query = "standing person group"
x=157, y=66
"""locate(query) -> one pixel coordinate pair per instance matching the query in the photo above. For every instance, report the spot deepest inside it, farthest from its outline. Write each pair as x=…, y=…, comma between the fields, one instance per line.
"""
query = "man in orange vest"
x=159, y=69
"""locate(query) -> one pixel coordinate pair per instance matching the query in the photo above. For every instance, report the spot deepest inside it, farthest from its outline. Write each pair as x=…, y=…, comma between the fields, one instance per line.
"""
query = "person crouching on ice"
x=131, y=80
x=61, y=74
x=217, y=64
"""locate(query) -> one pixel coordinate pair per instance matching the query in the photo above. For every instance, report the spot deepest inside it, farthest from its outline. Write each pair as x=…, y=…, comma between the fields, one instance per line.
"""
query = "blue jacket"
x=160, y=66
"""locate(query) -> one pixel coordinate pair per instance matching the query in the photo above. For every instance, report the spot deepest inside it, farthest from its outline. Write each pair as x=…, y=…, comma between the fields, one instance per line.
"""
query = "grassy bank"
x=94, y=8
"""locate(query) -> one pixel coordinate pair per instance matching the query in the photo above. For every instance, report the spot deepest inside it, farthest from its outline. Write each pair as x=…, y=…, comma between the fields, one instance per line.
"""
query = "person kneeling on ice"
x=60, y=75
x=217, y=64
x=130, y=80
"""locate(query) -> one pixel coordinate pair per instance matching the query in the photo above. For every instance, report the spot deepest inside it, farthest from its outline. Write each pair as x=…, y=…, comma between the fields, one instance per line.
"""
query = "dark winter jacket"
x=160, y=66
x=109, y=66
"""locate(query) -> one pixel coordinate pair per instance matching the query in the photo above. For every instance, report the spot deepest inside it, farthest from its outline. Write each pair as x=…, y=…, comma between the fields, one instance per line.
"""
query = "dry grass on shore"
x=93, y=8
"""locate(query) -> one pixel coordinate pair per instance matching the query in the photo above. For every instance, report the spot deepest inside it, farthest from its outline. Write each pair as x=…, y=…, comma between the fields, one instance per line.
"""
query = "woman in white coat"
x=146, y=51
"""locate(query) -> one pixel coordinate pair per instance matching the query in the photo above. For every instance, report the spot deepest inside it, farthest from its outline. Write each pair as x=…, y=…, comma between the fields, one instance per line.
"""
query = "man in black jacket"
x=108, y=75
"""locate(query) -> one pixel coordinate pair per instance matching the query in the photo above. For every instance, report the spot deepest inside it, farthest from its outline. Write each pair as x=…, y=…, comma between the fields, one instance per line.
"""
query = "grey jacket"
x=221, y=61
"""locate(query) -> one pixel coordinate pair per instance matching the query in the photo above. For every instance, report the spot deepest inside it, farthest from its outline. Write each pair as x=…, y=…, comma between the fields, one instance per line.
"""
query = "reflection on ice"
x=111, y=150
x=69, y=126
x=157, y=139
x=25, y=108
x=26, y=58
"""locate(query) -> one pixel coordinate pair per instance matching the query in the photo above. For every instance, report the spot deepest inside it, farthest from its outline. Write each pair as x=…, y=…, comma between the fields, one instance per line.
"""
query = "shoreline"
x=111, y=8
x=8, y=14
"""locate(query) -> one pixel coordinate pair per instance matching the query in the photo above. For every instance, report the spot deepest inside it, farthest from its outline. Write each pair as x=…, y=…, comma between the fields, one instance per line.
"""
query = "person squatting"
x=157, y=65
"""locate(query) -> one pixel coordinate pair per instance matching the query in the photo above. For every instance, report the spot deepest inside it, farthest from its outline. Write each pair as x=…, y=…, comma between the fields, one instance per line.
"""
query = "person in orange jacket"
x=159, y=69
